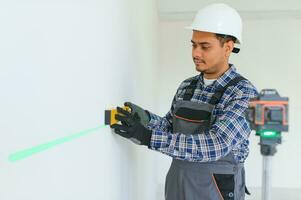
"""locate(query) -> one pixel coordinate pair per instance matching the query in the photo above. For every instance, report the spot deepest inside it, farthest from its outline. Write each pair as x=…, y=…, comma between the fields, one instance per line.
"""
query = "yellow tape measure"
x=110, y=115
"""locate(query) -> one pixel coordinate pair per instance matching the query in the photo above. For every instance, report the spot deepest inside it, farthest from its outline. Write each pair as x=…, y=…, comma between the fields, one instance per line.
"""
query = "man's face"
x=208, y=55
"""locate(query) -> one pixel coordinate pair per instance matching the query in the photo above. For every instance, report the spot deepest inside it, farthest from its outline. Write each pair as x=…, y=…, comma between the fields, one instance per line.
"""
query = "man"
x=206, y=131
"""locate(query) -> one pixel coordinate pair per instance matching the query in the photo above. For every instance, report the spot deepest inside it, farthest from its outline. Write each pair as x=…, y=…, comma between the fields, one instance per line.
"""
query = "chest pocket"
x=189, y=120
x=194, y=118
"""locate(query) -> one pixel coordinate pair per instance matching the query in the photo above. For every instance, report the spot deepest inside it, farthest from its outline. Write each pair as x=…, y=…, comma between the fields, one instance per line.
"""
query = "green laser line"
x=42, y=147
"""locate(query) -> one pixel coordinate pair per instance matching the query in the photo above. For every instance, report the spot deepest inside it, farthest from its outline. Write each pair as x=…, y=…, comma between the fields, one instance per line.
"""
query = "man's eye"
x=205, y=47
x=194, y=46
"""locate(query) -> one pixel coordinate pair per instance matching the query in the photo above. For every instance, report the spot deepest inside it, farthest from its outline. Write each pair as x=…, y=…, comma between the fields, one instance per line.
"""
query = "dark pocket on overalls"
x=190, y=120
x=225, y=185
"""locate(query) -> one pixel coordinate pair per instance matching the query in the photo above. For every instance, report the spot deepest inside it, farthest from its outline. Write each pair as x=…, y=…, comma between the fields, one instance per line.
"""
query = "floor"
x=276, y=193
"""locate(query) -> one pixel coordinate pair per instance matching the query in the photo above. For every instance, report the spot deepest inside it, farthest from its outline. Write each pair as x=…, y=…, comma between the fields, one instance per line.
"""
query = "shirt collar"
x=224, y=78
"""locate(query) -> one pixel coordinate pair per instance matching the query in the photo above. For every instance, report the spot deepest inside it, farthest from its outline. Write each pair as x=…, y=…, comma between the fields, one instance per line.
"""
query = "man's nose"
x=197, y=52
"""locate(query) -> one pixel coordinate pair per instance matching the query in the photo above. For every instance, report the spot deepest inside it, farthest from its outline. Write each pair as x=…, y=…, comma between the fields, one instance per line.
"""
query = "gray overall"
x=217, y=180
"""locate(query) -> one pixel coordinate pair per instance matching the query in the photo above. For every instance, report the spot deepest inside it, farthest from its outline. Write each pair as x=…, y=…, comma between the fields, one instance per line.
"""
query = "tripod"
x=268, y=142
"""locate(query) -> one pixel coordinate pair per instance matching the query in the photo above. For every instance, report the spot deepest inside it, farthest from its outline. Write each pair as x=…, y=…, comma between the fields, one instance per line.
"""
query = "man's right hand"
x=143, y=114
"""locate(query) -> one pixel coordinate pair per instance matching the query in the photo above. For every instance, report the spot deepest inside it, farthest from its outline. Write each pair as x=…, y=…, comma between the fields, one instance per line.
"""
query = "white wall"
x=62, y=64
x=270, y=59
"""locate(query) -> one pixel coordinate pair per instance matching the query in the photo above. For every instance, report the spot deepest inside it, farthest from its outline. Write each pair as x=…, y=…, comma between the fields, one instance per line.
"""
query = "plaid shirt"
x=230, y=131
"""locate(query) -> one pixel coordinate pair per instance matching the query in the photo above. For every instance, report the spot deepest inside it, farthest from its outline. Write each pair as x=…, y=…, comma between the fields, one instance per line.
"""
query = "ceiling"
x=254, y=9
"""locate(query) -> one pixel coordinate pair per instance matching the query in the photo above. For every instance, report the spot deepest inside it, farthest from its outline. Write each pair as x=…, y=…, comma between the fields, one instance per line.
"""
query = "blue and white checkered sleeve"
x=229, y=130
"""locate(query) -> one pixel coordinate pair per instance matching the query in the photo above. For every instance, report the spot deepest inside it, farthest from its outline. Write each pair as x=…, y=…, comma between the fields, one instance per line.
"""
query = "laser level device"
x=110, y=115
x=268, y=116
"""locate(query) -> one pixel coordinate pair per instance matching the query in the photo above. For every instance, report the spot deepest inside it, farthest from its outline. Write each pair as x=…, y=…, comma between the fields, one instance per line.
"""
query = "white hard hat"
x=218, y=18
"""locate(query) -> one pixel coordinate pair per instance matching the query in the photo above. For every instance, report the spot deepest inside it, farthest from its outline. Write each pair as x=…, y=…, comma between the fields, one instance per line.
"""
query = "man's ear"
x=229, y=47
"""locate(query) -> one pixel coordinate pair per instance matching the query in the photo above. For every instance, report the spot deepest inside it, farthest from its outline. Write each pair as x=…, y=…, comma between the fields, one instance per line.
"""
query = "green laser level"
x=268, y=116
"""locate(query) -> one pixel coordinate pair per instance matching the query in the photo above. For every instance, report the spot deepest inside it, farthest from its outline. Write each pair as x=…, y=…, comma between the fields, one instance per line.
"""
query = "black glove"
x=132, y=128
x=143, y=114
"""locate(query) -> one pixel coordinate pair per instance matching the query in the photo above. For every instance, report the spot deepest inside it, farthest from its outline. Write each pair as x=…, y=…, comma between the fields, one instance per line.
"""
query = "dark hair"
x=225, y=38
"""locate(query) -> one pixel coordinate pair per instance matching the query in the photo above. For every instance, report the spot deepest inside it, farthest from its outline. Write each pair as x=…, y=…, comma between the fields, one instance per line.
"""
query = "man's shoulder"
x=245, y=87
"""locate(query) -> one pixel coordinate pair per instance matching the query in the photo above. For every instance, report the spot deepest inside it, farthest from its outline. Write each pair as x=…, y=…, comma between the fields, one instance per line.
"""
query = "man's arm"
x=229, y=130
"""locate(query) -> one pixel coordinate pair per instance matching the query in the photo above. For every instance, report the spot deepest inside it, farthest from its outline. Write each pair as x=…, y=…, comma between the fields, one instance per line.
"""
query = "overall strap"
x=220, y=91
x=190, y=90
